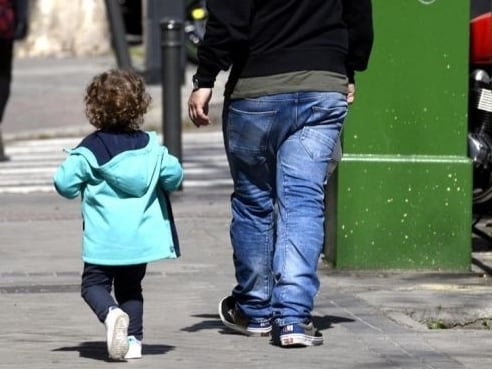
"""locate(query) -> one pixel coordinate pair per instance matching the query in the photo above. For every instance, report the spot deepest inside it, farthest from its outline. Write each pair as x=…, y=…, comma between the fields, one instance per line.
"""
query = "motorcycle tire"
x=482, y=186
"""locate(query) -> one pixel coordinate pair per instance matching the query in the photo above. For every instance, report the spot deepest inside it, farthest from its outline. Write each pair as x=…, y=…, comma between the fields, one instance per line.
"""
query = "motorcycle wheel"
x=194, y=27
x=482, y=186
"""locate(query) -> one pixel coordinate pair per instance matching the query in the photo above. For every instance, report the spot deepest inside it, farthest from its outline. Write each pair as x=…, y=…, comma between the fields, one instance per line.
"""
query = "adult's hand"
x=198, y=106
x=351, y=93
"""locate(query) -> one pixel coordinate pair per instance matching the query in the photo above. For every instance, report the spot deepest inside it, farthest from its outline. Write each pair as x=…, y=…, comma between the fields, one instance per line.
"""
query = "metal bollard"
x=171, y=44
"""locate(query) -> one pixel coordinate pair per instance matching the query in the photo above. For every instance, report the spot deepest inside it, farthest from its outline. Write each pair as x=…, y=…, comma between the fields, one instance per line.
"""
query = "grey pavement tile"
x=45, y=323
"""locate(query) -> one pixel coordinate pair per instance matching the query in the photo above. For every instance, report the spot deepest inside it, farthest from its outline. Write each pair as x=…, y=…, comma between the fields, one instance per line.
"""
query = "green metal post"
x=404, y=183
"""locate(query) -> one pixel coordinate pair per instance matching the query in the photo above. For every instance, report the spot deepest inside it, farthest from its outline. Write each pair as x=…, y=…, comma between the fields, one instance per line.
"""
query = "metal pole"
x=154, y=12
x=118, y=33
x=171, y=45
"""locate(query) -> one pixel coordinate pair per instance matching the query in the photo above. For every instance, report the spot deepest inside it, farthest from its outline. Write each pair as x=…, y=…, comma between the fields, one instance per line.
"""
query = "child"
x=122, y=175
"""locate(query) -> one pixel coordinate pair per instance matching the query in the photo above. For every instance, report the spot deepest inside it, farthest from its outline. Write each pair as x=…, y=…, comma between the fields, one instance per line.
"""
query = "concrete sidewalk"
x=369, y=319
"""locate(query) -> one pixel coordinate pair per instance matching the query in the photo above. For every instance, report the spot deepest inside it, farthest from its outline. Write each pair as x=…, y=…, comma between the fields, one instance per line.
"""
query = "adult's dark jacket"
x=266, y=37
x=13, y=19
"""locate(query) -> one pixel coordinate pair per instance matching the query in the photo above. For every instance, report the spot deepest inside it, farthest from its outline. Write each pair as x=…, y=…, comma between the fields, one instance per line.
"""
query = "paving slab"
x=370, y=319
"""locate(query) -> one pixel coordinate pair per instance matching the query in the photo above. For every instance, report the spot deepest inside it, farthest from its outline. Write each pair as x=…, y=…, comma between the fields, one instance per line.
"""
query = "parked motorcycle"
x=196, y=17
x=194, y=24
x=480, y=111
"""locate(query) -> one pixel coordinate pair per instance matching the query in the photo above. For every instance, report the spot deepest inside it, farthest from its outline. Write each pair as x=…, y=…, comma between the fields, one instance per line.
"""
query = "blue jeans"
x=279, y=148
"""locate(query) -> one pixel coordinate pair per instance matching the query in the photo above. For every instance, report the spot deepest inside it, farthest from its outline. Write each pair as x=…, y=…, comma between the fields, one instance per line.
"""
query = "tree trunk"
x=63, y=28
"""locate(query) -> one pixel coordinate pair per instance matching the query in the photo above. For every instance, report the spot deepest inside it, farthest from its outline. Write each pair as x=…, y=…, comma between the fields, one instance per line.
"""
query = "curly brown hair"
x=116, y=100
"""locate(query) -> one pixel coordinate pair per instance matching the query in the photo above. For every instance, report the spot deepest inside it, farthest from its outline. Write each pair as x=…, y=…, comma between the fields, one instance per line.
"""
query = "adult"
x=13, y=26
x=291, y=80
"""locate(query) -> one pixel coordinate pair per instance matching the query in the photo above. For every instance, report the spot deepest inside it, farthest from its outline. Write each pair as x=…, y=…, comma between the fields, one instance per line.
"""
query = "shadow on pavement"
x=212, y=321
x=326, y=322
x=97, y=350
x=484, y=267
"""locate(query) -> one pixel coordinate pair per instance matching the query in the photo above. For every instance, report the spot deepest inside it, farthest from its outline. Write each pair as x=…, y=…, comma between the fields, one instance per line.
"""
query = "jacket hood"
x=131, y=172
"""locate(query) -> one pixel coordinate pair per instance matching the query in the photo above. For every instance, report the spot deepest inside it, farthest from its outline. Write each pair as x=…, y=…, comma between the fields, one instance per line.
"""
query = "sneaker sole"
x=299, y=340
x=119, y=342
x=133, y=356
x=259, y=332
x=134, y=349
x=252, y=332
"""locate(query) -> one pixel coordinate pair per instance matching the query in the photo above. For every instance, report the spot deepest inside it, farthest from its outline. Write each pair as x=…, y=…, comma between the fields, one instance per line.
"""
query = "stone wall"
x=65, y=28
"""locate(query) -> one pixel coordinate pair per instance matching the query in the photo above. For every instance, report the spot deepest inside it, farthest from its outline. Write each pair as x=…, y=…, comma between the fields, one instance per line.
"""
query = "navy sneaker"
x=234, y=319
x=297, y=335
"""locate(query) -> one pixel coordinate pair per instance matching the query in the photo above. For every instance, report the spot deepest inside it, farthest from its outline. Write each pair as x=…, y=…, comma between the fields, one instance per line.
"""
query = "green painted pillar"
x=404, y=186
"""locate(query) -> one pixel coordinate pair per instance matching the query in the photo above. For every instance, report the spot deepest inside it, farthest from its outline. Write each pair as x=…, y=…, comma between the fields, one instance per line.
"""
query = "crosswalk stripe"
x=34, y=162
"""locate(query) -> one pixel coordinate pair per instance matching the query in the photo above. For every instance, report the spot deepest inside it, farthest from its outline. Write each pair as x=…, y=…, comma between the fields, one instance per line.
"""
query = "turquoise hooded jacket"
x=125, y=208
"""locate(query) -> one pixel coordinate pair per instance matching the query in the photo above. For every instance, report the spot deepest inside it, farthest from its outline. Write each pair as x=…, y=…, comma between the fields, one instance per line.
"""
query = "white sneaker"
x=134, y=348
x=116, y=333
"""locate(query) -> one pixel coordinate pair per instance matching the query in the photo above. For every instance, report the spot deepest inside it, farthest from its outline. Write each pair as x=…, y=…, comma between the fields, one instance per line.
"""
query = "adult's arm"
x=226, y=32
x=357, y=15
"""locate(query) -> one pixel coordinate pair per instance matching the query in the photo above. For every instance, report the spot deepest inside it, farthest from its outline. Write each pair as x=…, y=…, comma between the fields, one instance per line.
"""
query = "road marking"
x=34, y=162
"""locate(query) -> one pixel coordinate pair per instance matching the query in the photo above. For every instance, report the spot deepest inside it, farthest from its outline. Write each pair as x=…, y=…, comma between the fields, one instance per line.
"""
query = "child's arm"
x=71, y=175
x=171, y=174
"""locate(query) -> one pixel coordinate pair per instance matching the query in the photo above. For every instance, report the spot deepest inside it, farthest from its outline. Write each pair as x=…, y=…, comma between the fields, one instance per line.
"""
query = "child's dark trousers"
x=97, y=283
